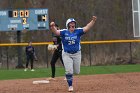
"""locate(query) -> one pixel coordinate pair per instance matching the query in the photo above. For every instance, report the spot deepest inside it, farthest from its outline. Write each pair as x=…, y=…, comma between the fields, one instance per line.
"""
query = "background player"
x=71, y=53
x=30, y=54
x=56, y=54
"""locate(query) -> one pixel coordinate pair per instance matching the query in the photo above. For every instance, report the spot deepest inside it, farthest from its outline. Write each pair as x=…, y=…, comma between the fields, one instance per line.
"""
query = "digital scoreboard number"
x=21, y=19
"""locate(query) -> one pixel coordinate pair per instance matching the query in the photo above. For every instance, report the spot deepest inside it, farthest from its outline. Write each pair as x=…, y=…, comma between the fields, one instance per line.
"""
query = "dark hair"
x=55, y=25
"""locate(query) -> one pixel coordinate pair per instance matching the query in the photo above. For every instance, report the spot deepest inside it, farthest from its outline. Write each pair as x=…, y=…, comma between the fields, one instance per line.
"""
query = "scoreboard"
x=21, y=19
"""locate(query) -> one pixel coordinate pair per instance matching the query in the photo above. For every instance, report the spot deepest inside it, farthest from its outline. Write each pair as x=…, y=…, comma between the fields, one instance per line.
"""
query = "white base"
x=41, y=82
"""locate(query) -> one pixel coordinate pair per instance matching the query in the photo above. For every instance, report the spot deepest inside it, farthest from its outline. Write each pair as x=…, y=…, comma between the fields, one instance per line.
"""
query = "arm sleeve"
x=62, y=33
x=81, y=31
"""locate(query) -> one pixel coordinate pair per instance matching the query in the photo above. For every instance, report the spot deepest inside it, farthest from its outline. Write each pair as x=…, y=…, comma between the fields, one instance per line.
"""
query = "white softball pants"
x=72, y=62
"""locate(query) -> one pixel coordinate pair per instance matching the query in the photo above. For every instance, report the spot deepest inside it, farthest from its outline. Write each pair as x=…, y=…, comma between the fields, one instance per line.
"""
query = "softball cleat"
x=70, y=89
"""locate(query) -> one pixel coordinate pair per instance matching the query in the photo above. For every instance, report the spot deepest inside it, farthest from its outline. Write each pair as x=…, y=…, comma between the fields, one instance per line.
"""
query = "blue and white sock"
x=69, y=79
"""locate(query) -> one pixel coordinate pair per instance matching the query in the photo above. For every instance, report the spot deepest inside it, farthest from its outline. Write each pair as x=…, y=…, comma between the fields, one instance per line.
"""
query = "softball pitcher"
x=71, y=53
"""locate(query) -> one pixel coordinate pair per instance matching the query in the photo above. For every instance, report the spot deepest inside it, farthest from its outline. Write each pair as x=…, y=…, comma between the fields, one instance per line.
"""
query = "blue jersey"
x=71, y=40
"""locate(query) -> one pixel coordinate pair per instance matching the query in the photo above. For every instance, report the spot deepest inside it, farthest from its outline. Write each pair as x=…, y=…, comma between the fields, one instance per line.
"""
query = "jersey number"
x=71, y=42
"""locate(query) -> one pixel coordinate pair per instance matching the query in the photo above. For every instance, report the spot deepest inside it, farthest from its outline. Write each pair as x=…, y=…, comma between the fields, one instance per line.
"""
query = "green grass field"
x=46, y=72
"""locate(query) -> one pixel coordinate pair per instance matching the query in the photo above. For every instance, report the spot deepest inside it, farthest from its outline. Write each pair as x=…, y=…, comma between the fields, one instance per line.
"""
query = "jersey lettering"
x=71, y=38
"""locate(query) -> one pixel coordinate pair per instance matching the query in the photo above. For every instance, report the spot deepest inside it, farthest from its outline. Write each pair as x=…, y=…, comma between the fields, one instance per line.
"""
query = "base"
x=41, y=82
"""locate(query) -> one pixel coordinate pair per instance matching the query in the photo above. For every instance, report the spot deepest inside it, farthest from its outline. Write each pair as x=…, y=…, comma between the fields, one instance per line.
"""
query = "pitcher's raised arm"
x=54, y=29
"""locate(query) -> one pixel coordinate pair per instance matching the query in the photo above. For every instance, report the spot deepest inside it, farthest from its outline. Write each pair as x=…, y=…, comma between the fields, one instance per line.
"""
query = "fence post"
x=130, y=47
x=19, y=65
x=90, y=54
x=7, y=57
x=47, y=56
x=0, y=57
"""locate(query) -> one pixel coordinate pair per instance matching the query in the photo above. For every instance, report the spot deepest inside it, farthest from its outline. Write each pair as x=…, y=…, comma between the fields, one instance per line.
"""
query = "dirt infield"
x=109, y=83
